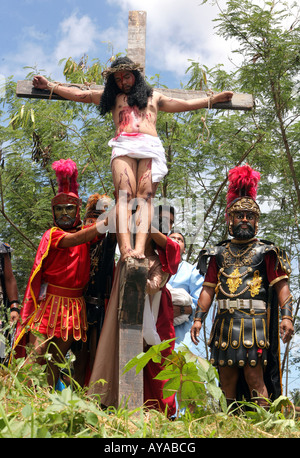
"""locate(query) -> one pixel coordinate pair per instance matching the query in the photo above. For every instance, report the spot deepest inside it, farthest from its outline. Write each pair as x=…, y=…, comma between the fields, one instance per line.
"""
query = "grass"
x=32, y=410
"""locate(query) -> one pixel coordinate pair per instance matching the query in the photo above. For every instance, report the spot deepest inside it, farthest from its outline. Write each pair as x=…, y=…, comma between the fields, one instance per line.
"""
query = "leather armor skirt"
x=239, y=337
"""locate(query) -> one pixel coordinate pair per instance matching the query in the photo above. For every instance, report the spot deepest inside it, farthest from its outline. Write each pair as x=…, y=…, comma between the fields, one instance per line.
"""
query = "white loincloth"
x=141, y=146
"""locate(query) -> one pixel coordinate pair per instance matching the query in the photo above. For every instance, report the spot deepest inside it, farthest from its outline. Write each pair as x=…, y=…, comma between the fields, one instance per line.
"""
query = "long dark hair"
x=138, y=95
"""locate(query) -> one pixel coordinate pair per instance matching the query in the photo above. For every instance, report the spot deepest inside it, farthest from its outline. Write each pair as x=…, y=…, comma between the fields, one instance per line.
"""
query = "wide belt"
x=227, y=304
x=64, y=292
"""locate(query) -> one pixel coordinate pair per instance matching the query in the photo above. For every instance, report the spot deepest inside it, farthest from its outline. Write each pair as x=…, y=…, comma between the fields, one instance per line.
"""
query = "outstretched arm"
x=171, y=105
x=158, y=237
x=85, y=235
x=70, y=93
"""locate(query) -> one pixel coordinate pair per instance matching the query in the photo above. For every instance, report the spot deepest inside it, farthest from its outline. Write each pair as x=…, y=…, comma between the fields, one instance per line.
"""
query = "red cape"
x=32, y=293
x=170, y=256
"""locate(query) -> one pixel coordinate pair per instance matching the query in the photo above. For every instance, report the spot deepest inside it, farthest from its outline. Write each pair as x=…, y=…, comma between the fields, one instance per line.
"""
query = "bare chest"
x=132, y=119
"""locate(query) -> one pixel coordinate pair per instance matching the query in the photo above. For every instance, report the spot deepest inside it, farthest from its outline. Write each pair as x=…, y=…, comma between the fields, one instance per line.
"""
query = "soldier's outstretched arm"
x=83, y=236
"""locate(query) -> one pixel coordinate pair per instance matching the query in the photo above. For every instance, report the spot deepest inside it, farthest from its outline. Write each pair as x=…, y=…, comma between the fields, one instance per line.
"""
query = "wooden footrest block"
x=133, y=280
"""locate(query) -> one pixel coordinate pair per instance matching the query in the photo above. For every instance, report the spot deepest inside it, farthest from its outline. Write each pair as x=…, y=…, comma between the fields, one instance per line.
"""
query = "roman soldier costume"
x=53, y=302
x=243, y=273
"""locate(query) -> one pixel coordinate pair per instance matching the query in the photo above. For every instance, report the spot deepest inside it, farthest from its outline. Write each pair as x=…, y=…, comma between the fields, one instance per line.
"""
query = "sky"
x=39, y=33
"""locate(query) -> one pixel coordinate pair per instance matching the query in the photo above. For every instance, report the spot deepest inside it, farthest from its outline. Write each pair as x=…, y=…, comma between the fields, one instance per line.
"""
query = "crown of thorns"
x=120, y=68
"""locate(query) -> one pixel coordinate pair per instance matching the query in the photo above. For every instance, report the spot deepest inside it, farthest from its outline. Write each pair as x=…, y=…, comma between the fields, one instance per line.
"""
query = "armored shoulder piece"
x=282, y=258
x=206, y=253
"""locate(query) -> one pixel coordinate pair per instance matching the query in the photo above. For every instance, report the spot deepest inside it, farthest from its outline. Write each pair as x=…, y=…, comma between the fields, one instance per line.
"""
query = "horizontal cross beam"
x=238, y=102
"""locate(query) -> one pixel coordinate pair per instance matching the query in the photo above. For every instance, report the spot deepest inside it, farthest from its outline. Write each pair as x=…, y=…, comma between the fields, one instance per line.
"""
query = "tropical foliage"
x=28, y=409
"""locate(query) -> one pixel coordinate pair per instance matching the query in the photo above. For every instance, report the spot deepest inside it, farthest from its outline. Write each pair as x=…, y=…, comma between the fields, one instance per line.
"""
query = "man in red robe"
x=53, y=302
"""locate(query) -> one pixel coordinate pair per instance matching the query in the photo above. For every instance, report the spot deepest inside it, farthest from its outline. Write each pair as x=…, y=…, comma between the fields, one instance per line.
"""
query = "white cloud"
x=29, y=55
x=178, y=31
x=78, y=35
x=32, y=32
x=181, y=30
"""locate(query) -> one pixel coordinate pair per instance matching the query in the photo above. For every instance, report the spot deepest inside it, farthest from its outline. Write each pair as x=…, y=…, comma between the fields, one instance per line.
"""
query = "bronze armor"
x=240, y=331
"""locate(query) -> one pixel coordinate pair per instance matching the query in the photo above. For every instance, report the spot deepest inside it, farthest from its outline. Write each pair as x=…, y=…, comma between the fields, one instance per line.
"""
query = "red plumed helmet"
x=243, y=181
x=66, y=176
x=242, y=192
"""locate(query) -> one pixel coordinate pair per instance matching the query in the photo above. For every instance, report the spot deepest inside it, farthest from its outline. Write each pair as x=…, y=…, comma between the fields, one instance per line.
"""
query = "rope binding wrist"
x=52, y=85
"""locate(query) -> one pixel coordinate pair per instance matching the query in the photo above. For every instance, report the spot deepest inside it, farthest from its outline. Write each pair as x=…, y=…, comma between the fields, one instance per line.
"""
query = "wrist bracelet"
x=13, y=302
x=286, y=317
x=287, y=308
x=200, y=316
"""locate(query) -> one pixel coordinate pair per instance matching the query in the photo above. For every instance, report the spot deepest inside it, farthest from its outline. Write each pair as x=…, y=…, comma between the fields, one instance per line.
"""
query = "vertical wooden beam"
x=136, y=49
x=133, y=275
x=133, y=280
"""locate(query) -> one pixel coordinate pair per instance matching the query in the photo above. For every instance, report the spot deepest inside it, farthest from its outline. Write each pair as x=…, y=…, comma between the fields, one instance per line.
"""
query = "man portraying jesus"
x=138, y=159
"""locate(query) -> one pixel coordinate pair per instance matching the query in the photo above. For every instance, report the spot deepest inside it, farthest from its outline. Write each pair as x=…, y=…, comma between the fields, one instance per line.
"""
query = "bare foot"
x=137, y=254
x=130, y=253
x=127, y=254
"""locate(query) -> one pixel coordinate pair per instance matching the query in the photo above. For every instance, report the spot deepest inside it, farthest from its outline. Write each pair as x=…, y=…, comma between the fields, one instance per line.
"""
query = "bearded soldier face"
x=244, y=225
x=65, y=215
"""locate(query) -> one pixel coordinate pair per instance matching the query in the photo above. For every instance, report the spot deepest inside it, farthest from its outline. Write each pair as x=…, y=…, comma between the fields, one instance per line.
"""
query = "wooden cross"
x=133, y=274
x=137, y=52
